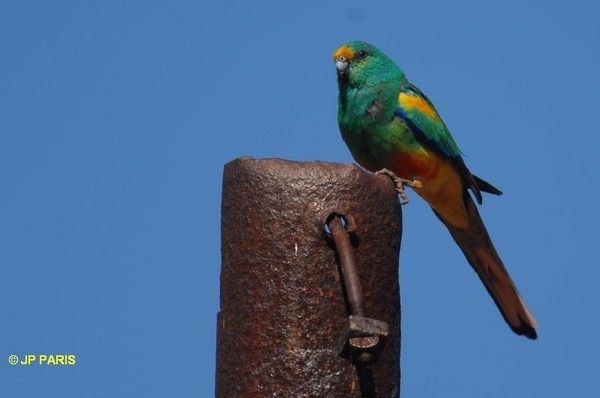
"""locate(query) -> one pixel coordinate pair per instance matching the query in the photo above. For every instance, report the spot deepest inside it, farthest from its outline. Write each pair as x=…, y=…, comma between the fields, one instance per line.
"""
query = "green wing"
x=428, y=127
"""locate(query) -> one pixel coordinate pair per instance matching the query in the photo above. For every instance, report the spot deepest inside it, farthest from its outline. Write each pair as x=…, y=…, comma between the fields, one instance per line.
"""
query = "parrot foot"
x=400, y=183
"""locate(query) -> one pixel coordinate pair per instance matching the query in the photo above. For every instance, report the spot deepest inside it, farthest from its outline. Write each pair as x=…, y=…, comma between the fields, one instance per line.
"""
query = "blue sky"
x=117, y=118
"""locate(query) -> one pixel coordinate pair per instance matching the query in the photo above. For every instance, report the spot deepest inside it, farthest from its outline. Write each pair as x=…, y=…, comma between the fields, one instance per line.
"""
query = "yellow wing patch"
x=410, y=102
x=344, y=51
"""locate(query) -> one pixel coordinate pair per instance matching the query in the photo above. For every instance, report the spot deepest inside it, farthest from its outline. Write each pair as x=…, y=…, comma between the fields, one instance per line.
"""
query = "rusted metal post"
x=283, y=328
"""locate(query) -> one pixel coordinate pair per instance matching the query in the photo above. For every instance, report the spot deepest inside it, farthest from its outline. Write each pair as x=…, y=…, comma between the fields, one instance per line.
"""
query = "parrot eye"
x=362, y=54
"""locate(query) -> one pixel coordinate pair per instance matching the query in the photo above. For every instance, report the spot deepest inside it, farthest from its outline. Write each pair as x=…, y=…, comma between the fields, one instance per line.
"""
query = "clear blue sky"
x=116, y=118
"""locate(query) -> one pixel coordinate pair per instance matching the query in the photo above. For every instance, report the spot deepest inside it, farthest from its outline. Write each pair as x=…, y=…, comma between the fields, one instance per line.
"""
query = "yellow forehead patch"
x=344, y=51
x=409, y=102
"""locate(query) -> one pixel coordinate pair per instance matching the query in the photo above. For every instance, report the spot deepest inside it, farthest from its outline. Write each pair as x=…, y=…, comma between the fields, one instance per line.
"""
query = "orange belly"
x=442, y=185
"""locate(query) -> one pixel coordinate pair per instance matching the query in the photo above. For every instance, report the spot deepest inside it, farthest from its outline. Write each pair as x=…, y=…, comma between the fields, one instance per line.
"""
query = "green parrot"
x=390, y=126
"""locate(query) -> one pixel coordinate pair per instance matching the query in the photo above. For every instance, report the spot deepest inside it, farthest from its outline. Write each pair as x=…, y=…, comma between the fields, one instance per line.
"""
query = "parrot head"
x=360, y=63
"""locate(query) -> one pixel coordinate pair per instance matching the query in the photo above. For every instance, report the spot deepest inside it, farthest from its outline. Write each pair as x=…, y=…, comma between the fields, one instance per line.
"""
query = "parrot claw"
x=400, y=183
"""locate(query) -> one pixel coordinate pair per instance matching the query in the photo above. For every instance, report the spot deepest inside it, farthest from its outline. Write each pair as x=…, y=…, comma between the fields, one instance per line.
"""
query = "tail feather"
x=485, y=186
x=477, y=247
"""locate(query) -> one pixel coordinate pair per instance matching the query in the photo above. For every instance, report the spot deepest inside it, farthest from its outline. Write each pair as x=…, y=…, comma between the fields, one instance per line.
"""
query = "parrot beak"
x=342, y=57
x=341, y=66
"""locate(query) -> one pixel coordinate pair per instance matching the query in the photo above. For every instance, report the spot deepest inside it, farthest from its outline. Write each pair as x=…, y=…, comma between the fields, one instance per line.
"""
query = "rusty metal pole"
x=283, y=326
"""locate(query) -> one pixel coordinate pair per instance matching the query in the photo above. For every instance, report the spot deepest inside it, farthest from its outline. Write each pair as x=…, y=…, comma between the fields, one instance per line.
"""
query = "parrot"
x=391, y=127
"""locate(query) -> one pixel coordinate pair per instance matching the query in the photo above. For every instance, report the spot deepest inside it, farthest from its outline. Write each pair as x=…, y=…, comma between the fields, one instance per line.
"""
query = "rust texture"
x=283, y=326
